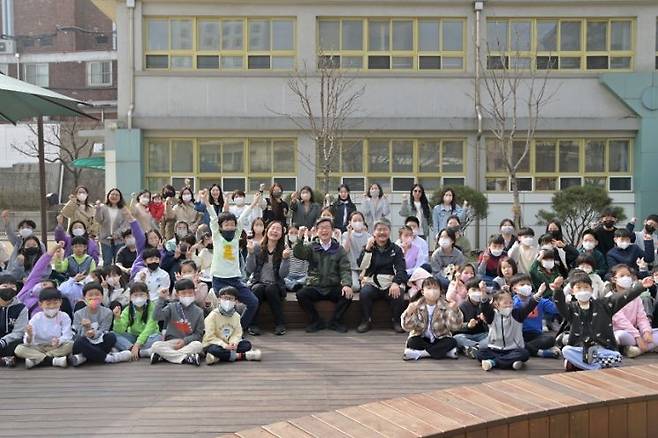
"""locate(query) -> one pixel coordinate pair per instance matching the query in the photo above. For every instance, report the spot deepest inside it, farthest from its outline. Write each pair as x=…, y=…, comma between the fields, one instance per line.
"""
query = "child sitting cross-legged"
x=184, y=321
x=134, y=327
x=592, y=343
x=430, y=321
x=506, y=347
x=223, y=338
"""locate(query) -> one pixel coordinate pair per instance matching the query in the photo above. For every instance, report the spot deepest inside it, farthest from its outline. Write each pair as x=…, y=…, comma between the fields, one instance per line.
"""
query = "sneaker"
x=569, y=367
x=364, y=327
x=253, y=355
x=77, y=359
x=31, y=363
x=210, y=359
x=192, y=359
x=517, y=365
x=315, y=326
x=397, y=328
x=9, y=361
x=155, y=358
x=470, y=352
x=60, y=362
x=280, y=330
x=556, y=352
x=337, y=327
x=254, y=331
x=145, y=353
x=410, y=354
x=119, y=356
x=487, y=364
x=632, y=351
x=452, y=354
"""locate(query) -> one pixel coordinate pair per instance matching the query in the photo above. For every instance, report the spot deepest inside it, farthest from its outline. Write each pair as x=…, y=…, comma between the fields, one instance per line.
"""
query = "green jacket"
x=326, y=269
x=539, y=276
x=138, y=328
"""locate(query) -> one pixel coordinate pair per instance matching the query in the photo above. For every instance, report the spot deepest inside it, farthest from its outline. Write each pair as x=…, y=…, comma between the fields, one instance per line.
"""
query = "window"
x=392, y=43
x=556, y=164
x=36, y=74
x=99, y=74
x=397, y=163
x=561, y=44
x=236, y=163
x=218, y=43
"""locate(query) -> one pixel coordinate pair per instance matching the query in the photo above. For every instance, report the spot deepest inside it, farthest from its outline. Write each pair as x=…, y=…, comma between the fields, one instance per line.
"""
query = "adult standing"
x=79, y=209
x=184, y=211
x=342, y=208
x=385, y=276
x=376, y=205
x=446, y=208
x=416, y=204
x=305, y=210
x=167, y=224
x=111, y=224
x=274, y=207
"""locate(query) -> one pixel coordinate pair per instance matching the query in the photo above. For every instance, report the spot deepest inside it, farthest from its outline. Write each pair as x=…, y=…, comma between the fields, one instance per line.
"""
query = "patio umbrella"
x=21, y=100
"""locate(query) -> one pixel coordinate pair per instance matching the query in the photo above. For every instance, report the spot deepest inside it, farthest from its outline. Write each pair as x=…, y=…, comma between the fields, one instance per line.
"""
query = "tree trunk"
x=516, y=203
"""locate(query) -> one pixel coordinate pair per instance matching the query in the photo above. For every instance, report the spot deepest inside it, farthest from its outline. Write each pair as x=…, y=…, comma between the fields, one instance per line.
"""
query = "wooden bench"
x=296, y=318
x=612, y=403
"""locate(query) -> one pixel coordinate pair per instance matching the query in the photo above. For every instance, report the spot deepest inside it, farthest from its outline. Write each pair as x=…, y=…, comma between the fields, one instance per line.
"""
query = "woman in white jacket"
x=375, y=206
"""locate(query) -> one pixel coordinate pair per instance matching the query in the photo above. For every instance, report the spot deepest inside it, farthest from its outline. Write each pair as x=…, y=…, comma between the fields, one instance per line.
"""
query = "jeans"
x=225, y=355
x=95, y=352
x=109, y=252
x=601, y=357
x=307, y=297
x=369, y=294
x=478, y=340
x=274, y=295
x=537, y=341
x=437, y=349
x=503, y=358
x=125, y=341
x=245, y=296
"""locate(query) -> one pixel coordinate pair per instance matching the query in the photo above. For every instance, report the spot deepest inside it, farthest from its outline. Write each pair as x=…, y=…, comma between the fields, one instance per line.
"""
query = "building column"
x=124, y=167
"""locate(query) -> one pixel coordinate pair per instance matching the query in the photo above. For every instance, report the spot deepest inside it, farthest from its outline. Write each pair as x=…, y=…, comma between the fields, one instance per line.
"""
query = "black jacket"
x=338, y=210
x=594, y=325
x=387, y=260
x=471, y=311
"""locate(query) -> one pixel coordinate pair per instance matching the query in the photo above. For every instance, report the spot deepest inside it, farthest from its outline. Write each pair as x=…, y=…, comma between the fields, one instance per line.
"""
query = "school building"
x=203, y=84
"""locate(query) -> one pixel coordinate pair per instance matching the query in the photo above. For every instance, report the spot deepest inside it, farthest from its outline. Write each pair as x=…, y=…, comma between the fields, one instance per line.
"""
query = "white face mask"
x=82, y=197
x=588, y=246
x=587, y=268
x=527, y=241
x=507, y=229
x=374, y=193
x=186, y=301
x=226, y=305
x=548, y=264
x=524, y=290
x=77, y=232
x=138, y=301
x=505, y=311
x=292, y=238
x=130, y=241
x=144, y=201
x=583, y=295
x=239, y=201
x=624, y=282
x=496, y=252
x=431, y=294
x=445, y=243
x=26, y=232
x=357, y=226
x=50, y=313
x=475, y=296
x=181, y=232
x=623, y=244
x=186, y=197
x=112, y=281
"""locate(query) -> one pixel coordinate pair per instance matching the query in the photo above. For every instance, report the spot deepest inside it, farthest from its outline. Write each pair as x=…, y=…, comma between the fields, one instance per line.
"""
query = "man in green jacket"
x=329, y=276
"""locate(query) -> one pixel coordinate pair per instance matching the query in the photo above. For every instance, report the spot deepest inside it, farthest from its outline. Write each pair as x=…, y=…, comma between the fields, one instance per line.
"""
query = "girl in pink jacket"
x=631, y=326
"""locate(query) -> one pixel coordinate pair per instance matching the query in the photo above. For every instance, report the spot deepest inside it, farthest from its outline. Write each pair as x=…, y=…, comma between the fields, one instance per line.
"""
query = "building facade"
x=203, y=94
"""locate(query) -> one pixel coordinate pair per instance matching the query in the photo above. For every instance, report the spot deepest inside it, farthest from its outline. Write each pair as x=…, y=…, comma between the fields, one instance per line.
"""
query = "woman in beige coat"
x=79, y=209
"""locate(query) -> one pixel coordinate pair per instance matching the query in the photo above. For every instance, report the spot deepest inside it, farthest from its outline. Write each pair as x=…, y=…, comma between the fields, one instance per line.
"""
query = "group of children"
x=193, y=289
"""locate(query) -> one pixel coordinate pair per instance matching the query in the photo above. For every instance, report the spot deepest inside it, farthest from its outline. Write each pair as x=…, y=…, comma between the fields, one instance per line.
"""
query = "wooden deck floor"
x=300, y=374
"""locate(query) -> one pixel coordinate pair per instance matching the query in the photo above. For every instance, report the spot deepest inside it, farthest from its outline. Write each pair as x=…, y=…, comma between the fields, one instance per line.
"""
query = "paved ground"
x=300, y=374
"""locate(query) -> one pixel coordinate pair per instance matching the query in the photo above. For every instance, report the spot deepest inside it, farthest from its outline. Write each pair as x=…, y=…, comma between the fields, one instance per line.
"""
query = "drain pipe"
x=478, y=6
x=130, y=4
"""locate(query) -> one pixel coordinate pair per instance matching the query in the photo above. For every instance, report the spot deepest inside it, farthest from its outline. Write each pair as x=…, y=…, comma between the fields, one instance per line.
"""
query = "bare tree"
x=64, y=138
x=515, y=93
x=327, y=98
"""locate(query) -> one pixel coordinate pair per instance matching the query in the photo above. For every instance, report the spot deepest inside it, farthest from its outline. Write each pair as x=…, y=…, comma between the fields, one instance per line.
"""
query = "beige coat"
x=74, y=211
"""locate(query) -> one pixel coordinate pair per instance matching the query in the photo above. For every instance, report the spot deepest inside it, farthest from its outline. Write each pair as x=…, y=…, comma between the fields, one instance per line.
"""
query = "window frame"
x=244, y=53
x=415, y=53
x=37, y=65
x=90, y=75
x=583, y=54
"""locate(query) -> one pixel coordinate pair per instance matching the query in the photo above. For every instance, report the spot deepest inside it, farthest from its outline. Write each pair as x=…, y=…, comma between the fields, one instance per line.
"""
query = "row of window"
x=99, y=73
x=394, y=163
x=385, y=44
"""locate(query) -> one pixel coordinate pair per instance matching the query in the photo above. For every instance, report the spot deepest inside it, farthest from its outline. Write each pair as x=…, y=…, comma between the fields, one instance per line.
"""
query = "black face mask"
x=557, y=234
x=7, y=294
x=153, y=266
x=649, y=229
x=31, y=251
x=228, y=235
x=608, y=224
x=209, y=246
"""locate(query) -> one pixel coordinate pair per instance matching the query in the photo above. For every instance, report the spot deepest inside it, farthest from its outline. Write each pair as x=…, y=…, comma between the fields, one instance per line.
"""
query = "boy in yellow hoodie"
x=222, y=340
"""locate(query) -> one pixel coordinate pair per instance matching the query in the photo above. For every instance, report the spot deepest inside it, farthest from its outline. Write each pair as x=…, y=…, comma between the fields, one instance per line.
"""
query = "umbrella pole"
x=42, y=181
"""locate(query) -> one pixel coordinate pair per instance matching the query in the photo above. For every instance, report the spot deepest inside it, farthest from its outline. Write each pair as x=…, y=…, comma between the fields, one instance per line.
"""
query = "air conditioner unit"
x=7, y=47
